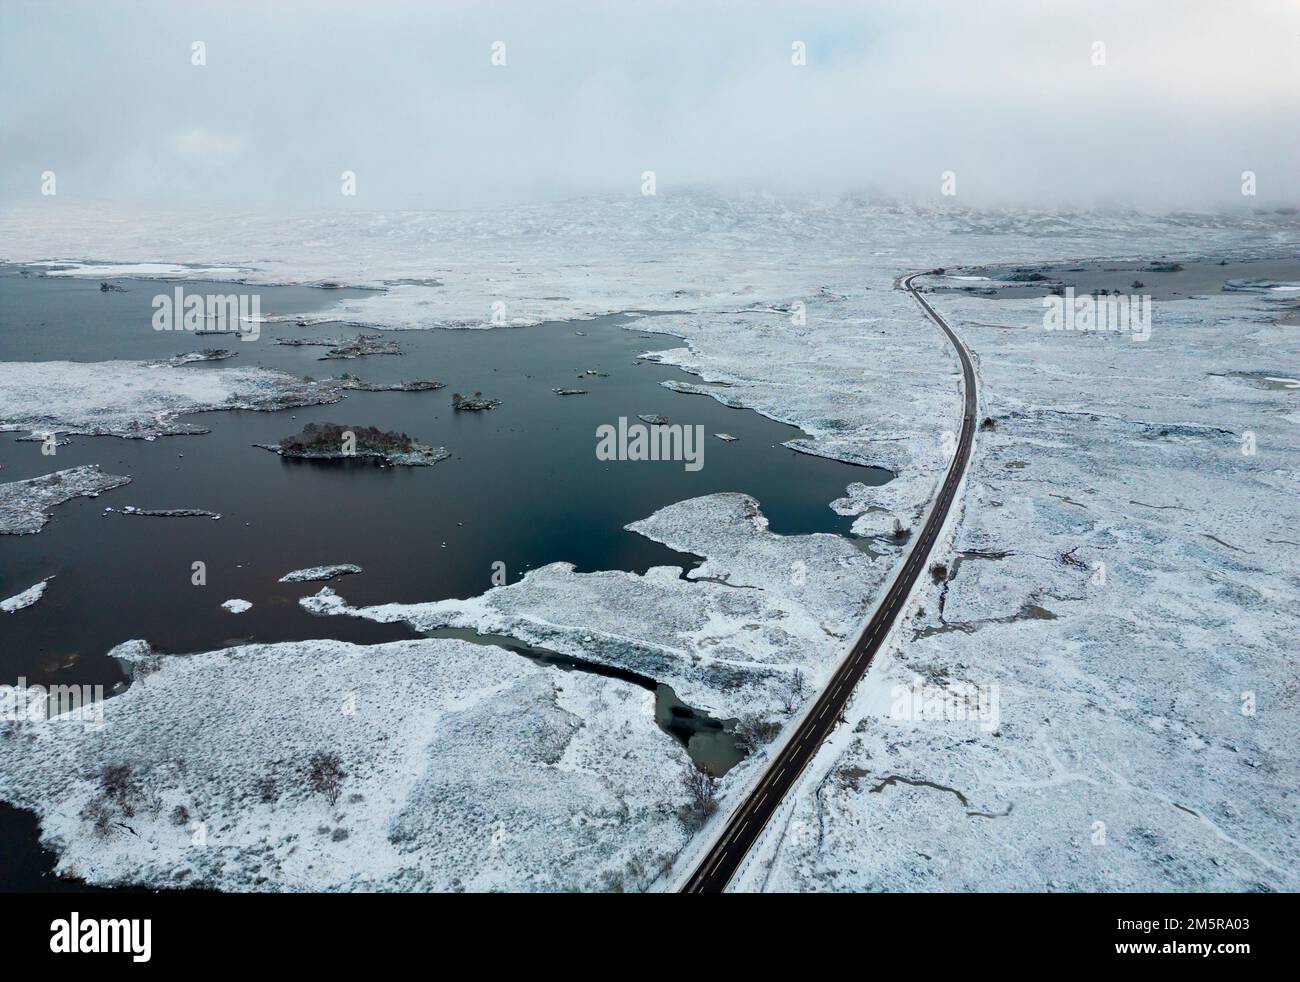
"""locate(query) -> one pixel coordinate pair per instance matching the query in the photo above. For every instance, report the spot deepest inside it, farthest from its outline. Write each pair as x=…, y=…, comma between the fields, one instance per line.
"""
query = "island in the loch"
x=332, y=441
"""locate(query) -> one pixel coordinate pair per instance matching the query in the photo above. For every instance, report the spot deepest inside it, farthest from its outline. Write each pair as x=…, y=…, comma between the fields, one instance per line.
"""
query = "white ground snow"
x=685, y=250
x=237, y=606
x=466, y=768
x=25, y=599
x=1146, y=734
x=140, y=399
x=25, y=505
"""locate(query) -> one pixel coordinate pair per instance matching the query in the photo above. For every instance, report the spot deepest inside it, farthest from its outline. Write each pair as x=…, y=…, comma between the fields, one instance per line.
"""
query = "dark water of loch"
x=523, y=486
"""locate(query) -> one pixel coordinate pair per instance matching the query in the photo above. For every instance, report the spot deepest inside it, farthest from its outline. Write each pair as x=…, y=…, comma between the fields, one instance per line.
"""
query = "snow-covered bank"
x=139, y=399
x=25, y=505
x=321, y=765
x=729, y=639
x=151, y=271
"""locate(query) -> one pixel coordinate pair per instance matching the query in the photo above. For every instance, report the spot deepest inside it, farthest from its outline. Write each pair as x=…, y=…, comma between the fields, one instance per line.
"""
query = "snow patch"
x=25, y=599
x=25, y=505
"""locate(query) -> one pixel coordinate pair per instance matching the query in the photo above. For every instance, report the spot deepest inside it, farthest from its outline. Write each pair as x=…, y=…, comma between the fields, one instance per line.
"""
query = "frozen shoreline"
x=141, y=400
x=727, y=639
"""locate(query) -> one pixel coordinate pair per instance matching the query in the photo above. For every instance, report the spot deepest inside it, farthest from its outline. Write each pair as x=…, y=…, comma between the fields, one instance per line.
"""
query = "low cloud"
x=1162, y=104
x=199, y=142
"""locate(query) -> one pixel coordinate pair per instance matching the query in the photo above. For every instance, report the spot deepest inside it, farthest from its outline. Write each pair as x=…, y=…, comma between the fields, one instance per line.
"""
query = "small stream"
x=710, y=742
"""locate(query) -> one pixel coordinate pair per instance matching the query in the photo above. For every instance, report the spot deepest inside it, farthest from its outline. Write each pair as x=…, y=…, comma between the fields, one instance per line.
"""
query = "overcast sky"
x=1005, y=95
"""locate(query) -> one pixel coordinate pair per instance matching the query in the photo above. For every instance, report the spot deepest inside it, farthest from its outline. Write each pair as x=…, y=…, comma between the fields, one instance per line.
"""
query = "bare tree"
x=122, y=789
x=325, y=775
x=794, y=695
x=701, y=792
x=753, y=732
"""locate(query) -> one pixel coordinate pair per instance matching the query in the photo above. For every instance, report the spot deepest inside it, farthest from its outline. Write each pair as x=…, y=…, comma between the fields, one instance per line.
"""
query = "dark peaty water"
x=523, y=486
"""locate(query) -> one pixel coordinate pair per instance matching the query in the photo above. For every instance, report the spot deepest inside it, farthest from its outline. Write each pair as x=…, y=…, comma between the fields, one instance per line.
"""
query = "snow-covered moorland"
x=321, y=765
x=1124, y=588
x=1119, y=704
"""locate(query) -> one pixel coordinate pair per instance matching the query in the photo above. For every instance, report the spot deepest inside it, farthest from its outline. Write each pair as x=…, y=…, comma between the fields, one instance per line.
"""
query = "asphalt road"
x=747, y=821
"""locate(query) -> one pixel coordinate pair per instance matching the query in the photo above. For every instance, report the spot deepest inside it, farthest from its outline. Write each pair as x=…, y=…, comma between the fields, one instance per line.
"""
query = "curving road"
x=747, y=821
